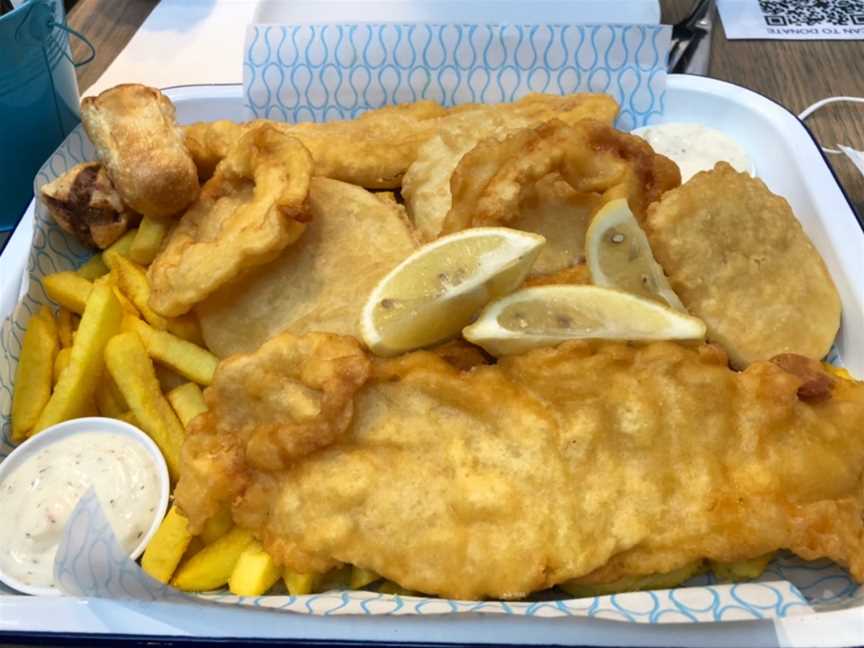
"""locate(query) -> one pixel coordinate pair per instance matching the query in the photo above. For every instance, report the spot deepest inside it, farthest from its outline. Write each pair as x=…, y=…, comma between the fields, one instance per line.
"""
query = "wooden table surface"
x=793, y=73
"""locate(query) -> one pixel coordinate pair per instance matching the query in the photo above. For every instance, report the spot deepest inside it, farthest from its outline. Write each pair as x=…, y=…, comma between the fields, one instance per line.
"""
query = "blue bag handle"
x=41, y=25
x=66, y=28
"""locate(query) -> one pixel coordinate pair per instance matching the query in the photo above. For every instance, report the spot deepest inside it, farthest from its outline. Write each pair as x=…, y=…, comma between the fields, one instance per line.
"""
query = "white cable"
x=824, y=102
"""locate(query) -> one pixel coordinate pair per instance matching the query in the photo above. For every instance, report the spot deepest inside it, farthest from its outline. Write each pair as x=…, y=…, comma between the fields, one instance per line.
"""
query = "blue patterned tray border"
x=91, y=563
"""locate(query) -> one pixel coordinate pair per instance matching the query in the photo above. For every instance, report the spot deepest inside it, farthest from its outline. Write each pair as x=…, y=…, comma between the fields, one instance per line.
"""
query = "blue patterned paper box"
x=321, y=72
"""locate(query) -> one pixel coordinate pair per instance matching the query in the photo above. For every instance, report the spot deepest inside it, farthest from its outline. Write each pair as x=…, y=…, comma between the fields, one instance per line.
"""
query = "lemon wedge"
x=619, y=256
x=549, y=315
x=439, y=289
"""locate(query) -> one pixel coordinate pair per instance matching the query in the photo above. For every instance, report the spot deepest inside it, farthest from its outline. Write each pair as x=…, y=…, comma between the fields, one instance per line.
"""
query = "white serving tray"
x=792, y=165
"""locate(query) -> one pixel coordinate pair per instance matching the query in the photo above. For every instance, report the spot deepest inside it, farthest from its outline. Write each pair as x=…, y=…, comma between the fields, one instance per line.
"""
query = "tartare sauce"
x=38, y=497
x=695, y=148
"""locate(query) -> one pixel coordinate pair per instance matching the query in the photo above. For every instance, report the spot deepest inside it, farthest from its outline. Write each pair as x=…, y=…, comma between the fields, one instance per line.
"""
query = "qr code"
x=780, y=13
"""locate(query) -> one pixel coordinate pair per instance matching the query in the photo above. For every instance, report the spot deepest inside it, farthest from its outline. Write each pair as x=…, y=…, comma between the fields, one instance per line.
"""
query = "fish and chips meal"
x=474, y=352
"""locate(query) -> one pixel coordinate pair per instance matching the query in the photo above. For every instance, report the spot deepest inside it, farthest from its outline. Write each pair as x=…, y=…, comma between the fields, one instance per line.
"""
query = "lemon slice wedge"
x=619, y=256
x=549, y=315
x=439, y=289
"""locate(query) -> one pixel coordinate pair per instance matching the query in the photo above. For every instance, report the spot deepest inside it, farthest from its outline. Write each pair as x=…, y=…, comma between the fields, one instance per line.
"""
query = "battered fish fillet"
x=282, y=404
x=426, y=186
x=517, y=182
x=248, y=212
x=372, y=150
x=738, y=258
x=375, y=149
x=319, y=284
x=546, y=467
x=209, y=142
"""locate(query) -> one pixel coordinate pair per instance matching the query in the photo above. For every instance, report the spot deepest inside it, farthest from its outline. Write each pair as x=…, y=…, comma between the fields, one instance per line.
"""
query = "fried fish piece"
x=426, y=186
x=270, y=409
x=517, y=182
x=319, y=284
x=738, y=258
x=209, y=142
x=375, y=149
x=592, y=157
x=253, y=207
x=141, y=147
x=84, y=203
x=545, y=467
x=372, y=150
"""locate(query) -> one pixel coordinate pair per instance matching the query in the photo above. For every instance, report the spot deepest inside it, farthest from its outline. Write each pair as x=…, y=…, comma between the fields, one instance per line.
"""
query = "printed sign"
x=792, y=19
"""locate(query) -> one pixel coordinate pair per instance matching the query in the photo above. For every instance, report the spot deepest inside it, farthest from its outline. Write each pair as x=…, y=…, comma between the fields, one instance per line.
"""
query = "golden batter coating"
x=253, y=207
x=318, y=284
x=510, y=478
x=738, y=258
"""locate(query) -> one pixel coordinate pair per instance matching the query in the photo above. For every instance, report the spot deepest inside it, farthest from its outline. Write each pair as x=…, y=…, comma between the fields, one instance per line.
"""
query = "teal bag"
x=38, y=98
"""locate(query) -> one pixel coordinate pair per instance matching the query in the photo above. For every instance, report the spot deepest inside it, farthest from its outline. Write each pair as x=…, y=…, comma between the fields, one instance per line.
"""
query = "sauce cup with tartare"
x=42, y=480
